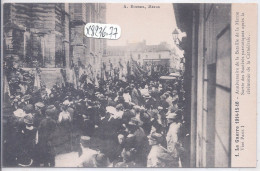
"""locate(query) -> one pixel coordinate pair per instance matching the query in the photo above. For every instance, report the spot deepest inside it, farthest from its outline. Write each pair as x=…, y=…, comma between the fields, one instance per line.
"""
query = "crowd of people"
x=128, y=124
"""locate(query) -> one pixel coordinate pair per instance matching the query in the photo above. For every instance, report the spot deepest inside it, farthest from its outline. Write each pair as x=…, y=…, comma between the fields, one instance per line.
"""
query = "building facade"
x=145, y=55
x=36, y=32
x=87, y=50
x=52, y=34
x=207, y=81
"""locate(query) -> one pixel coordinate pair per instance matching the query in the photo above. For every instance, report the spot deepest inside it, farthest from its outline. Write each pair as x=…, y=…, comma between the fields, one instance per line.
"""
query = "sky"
x=154, y=25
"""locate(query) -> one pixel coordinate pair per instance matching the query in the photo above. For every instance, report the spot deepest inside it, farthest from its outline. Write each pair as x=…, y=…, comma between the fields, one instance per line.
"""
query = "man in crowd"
x=45, y=153
x=173, y=134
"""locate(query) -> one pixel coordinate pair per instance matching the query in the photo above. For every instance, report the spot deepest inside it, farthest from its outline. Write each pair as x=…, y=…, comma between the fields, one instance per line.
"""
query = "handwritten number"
x=87, y=29
x=96, y=31
x=99, y=31
x=111, y=32
x=115, y=32
x=103, y=32
x=93, y=31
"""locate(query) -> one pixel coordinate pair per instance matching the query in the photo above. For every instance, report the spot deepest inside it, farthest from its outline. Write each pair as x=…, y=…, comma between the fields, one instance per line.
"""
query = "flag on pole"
x=61, y=81
x=81, y=71
x=37, y=81
x=90, y=74
x=74, y=78
x=6, y=87
x=69, y=75
x=106, y=76
x=128, y=68
x=121, y=65
x=137, y=71
x=104, y=66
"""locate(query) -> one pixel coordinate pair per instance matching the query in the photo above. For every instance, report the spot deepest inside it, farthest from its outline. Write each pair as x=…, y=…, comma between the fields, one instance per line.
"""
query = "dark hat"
x=51, y=110
x=121, y=99
x=28, y=119
x=28, y=108
x=179, y=111
x=128, y=114
x=119, y=106
x=39, y=104
x=147, y=96
x=127, y=88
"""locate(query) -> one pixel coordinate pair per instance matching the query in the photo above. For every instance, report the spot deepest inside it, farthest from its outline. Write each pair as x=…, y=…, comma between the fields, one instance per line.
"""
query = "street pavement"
x=71, y=159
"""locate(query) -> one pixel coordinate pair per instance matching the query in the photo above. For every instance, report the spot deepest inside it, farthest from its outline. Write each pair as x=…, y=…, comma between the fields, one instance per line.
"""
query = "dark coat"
x=136, y=97
x=45, y=135
x=27, y=146
x=139, y=142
